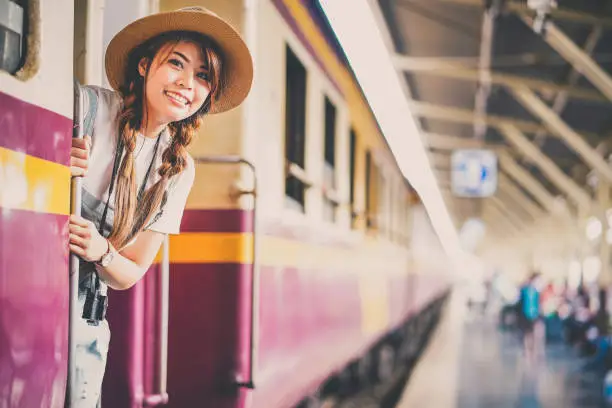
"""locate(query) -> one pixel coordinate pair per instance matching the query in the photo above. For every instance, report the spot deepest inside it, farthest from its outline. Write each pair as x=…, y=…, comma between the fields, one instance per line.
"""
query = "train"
x=306, y=266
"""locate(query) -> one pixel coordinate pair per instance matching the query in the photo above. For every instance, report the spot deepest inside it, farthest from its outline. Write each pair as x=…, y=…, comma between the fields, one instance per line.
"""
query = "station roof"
x=449, y=50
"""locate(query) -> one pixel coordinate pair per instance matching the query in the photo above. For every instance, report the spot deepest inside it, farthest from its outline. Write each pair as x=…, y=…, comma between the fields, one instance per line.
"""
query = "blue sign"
x=474, y=173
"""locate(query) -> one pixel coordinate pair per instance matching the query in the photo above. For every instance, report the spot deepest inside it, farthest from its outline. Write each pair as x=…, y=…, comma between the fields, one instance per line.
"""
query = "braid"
x=174, y=161
x=175, y=156
x=125, y=195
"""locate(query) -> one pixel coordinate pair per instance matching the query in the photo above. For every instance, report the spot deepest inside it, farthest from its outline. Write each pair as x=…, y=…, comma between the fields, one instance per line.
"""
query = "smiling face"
x=177, y=82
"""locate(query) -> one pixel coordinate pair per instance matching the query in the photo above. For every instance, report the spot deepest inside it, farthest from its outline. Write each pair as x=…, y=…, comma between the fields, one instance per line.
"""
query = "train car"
x=306, y=266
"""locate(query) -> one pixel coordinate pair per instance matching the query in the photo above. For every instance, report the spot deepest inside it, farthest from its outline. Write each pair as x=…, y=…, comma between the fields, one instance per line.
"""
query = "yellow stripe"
x=190, y=248
x=30, y=183
x=211, y=248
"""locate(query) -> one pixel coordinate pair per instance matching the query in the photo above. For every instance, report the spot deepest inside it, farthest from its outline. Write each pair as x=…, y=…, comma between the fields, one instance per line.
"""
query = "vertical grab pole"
x=75, y=208
x=165, y=301
x=160, y=396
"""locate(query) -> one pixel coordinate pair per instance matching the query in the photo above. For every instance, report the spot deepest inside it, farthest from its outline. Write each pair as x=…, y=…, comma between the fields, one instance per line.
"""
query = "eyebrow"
x=186, y=59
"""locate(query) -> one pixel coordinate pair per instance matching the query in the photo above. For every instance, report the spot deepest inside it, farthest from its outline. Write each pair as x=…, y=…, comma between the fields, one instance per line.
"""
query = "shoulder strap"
x=92, y=110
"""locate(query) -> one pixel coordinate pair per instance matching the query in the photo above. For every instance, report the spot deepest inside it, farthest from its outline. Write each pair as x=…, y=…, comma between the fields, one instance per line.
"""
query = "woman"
x=168, y=70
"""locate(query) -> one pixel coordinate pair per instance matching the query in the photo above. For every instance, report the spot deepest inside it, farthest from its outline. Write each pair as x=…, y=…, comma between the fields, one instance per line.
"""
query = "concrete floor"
x=469, y=363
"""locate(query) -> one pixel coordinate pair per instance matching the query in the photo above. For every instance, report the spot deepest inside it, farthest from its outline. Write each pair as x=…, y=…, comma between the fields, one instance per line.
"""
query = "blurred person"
x=529, y=315
x=167, y=70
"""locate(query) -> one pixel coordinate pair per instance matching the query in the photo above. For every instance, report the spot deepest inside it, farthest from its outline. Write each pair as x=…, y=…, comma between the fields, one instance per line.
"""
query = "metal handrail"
x=160, y=396
x=238, y=192
x=73, y=277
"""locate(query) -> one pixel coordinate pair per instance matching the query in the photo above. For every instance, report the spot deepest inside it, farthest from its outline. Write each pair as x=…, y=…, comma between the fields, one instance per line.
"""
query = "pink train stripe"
x=35, y=131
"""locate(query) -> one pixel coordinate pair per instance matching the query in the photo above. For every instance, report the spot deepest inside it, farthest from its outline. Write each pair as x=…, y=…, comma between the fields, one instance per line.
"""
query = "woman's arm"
x=128, y=266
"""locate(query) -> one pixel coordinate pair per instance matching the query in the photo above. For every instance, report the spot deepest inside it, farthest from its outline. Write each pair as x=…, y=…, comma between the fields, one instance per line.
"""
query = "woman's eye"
x=176, y=62
x=203, y=76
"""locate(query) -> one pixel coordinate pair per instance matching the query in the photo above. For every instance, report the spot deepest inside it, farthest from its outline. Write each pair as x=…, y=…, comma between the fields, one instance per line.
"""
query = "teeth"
x=178, y=97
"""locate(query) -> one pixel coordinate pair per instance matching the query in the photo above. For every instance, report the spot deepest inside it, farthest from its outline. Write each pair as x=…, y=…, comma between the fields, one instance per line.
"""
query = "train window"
x=382, y=205
x=329, y=172
x=13, y=29
x=371, y=204
x=330, y=133
x=295, y=127
x=352, y=157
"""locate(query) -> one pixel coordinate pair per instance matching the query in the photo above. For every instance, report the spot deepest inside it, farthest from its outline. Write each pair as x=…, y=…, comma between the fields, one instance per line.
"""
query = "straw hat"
x=238, y=64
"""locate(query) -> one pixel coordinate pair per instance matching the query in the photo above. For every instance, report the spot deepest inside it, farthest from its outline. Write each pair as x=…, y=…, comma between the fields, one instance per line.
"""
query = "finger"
x=77, y=250
x=77, y=172
x=78, y=220
x=79, y=241
x=79, y=163
x=79, y=143
x=79, y=153
x=80, y=231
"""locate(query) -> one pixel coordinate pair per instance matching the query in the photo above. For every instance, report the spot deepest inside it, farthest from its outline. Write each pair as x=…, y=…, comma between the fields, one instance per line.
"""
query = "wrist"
x=106, y=258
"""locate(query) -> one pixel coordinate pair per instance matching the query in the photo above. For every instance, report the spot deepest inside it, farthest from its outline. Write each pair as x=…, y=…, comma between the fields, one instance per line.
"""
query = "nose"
x=186, y=80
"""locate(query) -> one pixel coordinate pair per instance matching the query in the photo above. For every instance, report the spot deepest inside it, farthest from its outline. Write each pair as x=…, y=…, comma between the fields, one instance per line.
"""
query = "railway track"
x=388, y=393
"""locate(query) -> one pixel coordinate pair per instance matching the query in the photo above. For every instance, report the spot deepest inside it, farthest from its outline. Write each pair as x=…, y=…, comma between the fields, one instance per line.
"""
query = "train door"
x=36, y=112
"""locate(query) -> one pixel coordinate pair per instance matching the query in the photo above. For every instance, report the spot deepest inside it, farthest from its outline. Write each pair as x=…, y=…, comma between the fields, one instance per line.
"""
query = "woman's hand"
x=85, y=240
x=79, y=156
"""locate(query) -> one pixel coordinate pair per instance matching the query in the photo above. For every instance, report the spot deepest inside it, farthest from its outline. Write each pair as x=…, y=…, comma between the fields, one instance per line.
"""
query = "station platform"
x=470, y=363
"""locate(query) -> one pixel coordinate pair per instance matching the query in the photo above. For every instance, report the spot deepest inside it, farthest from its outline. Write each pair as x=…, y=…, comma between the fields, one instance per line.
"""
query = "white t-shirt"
x=104, y=142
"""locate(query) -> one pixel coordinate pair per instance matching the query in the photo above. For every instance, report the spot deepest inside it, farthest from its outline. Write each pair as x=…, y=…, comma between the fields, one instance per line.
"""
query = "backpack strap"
x=92, y=110
x=86, y=106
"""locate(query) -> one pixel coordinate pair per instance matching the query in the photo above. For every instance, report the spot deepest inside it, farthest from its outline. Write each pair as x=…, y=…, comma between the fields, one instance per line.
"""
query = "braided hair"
x=130, y=220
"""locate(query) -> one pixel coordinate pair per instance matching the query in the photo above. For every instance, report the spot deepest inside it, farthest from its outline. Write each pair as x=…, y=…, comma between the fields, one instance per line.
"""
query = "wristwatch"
x=107, y=258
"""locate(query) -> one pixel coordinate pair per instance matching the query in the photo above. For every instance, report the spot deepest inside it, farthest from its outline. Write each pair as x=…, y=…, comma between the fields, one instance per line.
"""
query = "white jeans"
x=91, y=353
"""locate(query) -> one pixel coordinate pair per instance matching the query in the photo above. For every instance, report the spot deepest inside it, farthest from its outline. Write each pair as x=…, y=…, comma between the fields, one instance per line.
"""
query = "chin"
x=173, y=116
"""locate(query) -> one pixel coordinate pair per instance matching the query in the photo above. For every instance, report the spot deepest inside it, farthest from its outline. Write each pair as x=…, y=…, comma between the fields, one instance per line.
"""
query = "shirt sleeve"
x=99, y=106
x=170, y=220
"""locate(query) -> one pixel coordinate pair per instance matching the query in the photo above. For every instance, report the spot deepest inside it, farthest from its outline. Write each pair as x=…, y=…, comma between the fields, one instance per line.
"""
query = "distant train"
x=306, y=263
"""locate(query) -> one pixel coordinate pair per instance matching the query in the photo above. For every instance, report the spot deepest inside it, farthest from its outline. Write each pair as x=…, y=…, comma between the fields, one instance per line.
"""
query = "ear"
x=142, y=66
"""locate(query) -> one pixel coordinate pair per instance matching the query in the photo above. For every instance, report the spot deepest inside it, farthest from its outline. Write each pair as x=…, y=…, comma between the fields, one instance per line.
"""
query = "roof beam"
x=452, y=114
x=518, y=209
x=445, y=142
x=550, y=118
x=449, y=69
x=501, y=61
x=449, y=113
x=558, y=13
x=523, y=177
x=439, y=160
x=495, y=228
x=576, y=56
x=501, y=217
x=511, y=215
x=562, y=97
x=513, y=190
x=548, y=167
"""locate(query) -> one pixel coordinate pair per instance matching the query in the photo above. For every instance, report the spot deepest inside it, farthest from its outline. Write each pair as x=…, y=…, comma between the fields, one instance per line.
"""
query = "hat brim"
x=238, y=63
